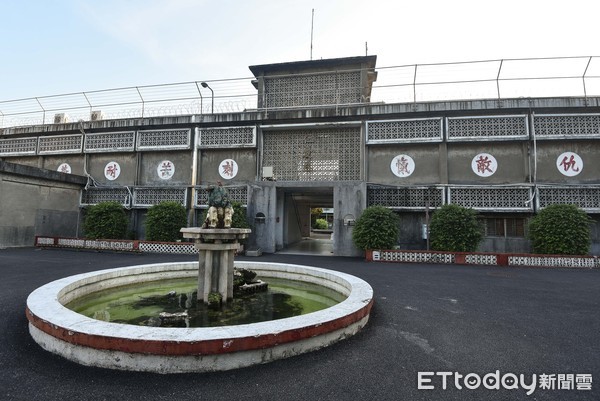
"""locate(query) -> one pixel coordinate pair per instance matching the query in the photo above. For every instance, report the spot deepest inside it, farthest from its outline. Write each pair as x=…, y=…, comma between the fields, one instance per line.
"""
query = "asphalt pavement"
x=443, y=321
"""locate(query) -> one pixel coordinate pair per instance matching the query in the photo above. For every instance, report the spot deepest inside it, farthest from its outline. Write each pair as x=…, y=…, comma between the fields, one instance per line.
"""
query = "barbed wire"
x=470, y=80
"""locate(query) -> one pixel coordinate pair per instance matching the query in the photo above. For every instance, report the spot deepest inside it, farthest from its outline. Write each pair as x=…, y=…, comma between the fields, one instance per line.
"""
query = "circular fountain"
x=176, y=350
x=200, y=349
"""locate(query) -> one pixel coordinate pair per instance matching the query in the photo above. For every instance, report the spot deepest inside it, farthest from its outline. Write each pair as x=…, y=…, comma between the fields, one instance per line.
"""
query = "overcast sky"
x=61, y=46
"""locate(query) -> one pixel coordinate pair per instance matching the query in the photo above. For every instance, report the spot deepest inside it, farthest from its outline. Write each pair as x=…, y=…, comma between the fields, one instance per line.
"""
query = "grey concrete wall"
x=410, y=234
x=127, y=162
x=548, y=152
x=263, y=199
x=512, y=158
x=426, y=157
x=150, y=161
x=36, y=205
x=210, y=162
x=349, y=201
x=292, y=224
x=54, y=161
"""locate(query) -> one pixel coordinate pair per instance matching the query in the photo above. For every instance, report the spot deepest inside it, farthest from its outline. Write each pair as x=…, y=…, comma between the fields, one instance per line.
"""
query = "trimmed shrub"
x=455, y=228
x=561, y=230
x=321, y=224
x=376, y=228
x=239, y=219
x=106, y=220
x=164, y=221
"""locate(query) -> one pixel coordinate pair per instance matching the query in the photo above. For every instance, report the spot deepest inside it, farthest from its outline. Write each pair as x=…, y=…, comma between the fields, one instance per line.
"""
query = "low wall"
x=116, y=245
x=491, y=259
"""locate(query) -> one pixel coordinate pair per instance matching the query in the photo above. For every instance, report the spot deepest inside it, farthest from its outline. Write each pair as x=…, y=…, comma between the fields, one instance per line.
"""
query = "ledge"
x=489, y=259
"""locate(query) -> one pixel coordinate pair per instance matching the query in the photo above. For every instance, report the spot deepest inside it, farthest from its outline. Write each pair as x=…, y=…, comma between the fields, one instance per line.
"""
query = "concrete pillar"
x=349, y=201
x=216, y=248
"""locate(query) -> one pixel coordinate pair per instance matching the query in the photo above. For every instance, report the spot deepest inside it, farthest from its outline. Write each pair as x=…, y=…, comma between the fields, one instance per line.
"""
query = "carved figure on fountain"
x=220, y=211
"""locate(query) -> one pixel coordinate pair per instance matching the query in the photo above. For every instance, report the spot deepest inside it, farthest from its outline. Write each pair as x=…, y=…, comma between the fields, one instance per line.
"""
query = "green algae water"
x=142, y=304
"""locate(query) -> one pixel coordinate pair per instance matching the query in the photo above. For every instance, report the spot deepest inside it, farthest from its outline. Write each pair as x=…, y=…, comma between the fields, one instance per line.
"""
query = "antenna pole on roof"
x=312, y=21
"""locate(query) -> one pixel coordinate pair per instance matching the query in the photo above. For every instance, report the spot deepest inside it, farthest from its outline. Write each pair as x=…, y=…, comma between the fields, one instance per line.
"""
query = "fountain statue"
x=217, y=243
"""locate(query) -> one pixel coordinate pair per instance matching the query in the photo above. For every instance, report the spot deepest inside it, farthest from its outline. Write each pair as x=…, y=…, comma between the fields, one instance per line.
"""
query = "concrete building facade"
x=316, y=140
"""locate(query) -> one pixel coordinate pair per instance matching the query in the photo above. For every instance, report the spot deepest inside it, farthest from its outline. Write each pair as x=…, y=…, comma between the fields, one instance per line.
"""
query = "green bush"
x=106, y=220
x=239, y=219
x=561, y=230
x=376, y=228
x=321, y=224
x=455, y=228
x=164, y=221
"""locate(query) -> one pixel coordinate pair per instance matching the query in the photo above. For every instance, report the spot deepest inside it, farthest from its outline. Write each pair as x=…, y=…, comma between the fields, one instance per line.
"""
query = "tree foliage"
x=561, y=230
x=106, y=220
x=376, y=228
x=239, y=218
x=164, y=221
x=454, y=228
x=321, y=224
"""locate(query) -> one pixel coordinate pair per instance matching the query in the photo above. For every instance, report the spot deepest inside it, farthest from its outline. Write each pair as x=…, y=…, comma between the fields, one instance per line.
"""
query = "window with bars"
x=398, y=131
x=307, y=90
x=492, y=127
x=505, y=227
x=317, y=154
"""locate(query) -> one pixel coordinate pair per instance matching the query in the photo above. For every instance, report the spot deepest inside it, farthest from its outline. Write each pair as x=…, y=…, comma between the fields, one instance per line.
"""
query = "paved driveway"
x=426, y=318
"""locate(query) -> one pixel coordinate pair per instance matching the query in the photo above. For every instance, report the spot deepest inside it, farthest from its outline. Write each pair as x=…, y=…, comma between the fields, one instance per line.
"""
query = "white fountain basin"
x=177, y=350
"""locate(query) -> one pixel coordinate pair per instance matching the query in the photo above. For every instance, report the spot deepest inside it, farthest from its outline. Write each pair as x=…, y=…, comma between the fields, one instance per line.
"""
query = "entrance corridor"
x=317, y=245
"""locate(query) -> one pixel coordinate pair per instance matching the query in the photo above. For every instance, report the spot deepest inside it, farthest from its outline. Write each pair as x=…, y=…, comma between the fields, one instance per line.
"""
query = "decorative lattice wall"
x=164, y=139
x=494, y=127
x=325, y=154
x=236, y=194
x=93, y=196
x=227, y=137
x=567, y=126
x=60, y=144
x=110, y=142
x=147, y=197
x=18, y=146
x=418, y=130
x=408, y=198
x=312, y=90
x=492, y=199
x=587, y=198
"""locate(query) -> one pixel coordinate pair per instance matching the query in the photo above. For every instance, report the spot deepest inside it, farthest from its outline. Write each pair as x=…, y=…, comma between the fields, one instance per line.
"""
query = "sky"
x=51, y=47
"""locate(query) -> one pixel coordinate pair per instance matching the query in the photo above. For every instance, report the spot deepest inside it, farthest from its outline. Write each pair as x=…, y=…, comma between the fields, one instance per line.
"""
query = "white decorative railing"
x=488, y=259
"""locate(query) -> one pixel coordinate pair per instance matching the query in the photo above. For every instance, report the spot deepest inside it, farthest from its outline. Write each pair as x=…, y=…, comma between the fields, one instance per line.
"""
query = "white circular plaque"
x=484, y=165
x=112, y=171
x=228, y=169
x=165, y=170
x=569, y=164
x=402, y=166
x=64, y=168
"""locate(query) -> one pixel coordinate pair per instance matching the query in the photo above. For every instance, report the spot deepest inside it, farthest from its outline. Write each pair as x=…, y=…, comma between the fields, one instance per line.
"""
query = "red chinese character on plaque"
x=64, y=168
x=402, y=166
x=228, y=169
x=569, y=164
x=165, y=170
x=112, y=171
x=484, y=165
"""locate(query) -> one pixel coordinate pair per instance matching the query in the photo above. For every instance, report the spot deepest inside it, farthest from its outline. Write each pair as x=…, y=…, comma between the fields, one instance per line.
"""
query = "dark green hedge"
x=164, y=221
x=106, y=220
x=376, y=228
x=454, y=228
x=561, y=230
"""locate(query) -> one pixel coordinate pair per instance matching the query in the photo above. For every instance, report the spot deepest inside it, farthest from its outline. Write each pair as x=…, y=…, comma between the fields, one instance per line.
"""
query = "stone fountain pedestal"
x=217, y=247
